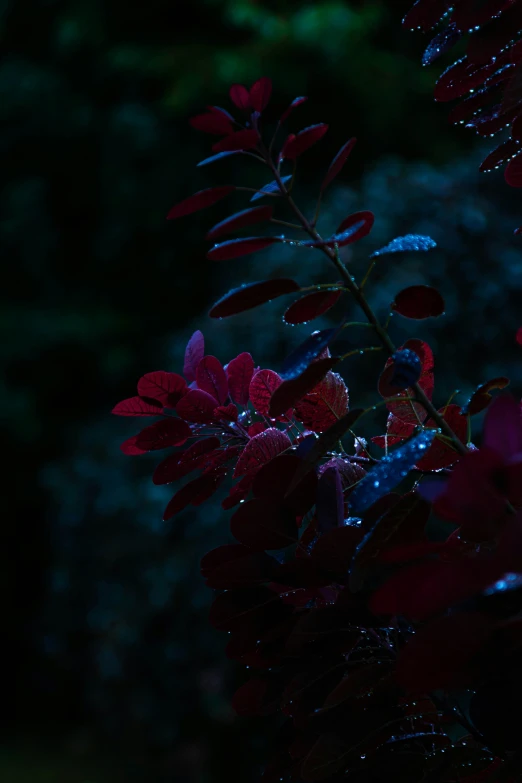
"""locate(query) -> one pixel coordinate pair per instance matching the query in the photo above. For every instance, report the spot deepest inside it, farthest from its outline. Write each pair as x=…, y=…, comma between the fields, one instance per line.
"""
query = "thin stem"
x=285, y=223
x=361, y=351
x=367, y=275
x=363, y=303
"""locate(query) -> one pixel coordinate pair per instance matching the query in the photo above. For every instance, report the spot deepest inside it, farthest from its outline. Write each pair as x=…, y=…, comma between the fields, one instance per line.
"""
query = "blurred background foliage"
x=111, y=670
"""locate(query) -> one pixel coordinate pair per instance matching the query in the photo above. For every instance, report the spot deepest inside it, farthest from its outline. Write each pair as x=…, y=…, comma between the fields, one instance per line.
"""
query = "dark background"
x=111, y=672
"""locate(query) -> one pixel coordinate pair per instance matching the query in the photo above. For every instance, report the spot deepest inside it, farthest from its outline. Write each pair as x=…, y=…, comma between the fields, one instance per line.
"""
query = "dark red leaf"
x=262, y=386
x=288, y=394
x=136, y=406
x=239, y=140
x=324, y=443
x=419, y=301
x=519, y=336
x=212, y=122
x=240, y=96
x=460, y=78
x=440, y=454
x=440, y=655
x=238, y=492
x=264, y=524
x=311, y=306
x=442, y=43
x=226, y=412
x=481, y=397
x=396, y=430
x=178, y=465
x=162, y=434
x=195, y=492
x=261, y=449
x=330, y=500
x=426, y=13
x=197, y=406
x=260, y=93
x=513, y=172
x=130, y=448
x=194, y=352
x=273, y=480
x=252, y=295
x=403, y=408
x=334, y=550
x=211, y=378
x=365, y=217
x=303, y=140
x=200, y=200
x=247, y=217
x=324, y=404
x=501, y=155
x=296, y=102
x=239, y=374
x=165, y=387
x=338, y=162
x=233, y=248
x=221, y=556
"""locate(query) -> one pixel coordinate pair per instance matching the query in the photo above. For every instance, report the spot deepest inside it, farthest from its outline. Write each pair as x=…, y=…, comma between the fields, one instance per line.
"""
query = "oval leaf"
x=261, y=449
x=197, y=406
x=324, y=404
x=304, y=140
x=311, y=306
x=194, y=352
x=162, y=434
x=136, y=406
x=212, y=122
x=264, y=524
x=247, y=217
x=262, y=386
x=338, y=162
x=350, y=231
x=211, y=378
x=419, y=301
x=251, y=295
x=295, y=103
x=290, y=392
x=195, y=493
x=239, y=140
x=300, y=358
x=233, y=248
x=178, y=465
x=165, y=387
x=260, y=93
x=271, y=188
x=240, y=96
x=390, y=471
x=481, y=397
x=200, y=200
x=239, y=374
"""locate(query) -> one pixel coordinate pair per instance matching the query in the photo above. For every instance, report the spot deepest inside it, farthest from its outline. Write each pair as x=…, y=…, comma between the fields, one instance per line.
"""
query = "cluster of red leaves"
x=488, y=78
x=358, y=626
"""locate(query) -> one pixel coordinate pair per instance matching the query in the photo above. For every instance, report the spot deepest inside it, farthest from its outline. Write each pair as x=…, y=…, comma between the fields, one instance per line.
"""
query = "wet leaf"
x=481, y=397
x=195, y=493
x=442, y=43
x=247, y=217
x=200, y=200
x=501, y=155
x=252, y=295
x=390, y=471
x=261, y=449
x=410, y=242
x=513, y=172
x=306, y=353
x=311, y=306
x=178, y=465
x=291, y=391
x=262, y=386
x=425, y=14
x=233, y=248
x=419, y=301
x=324, y=404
